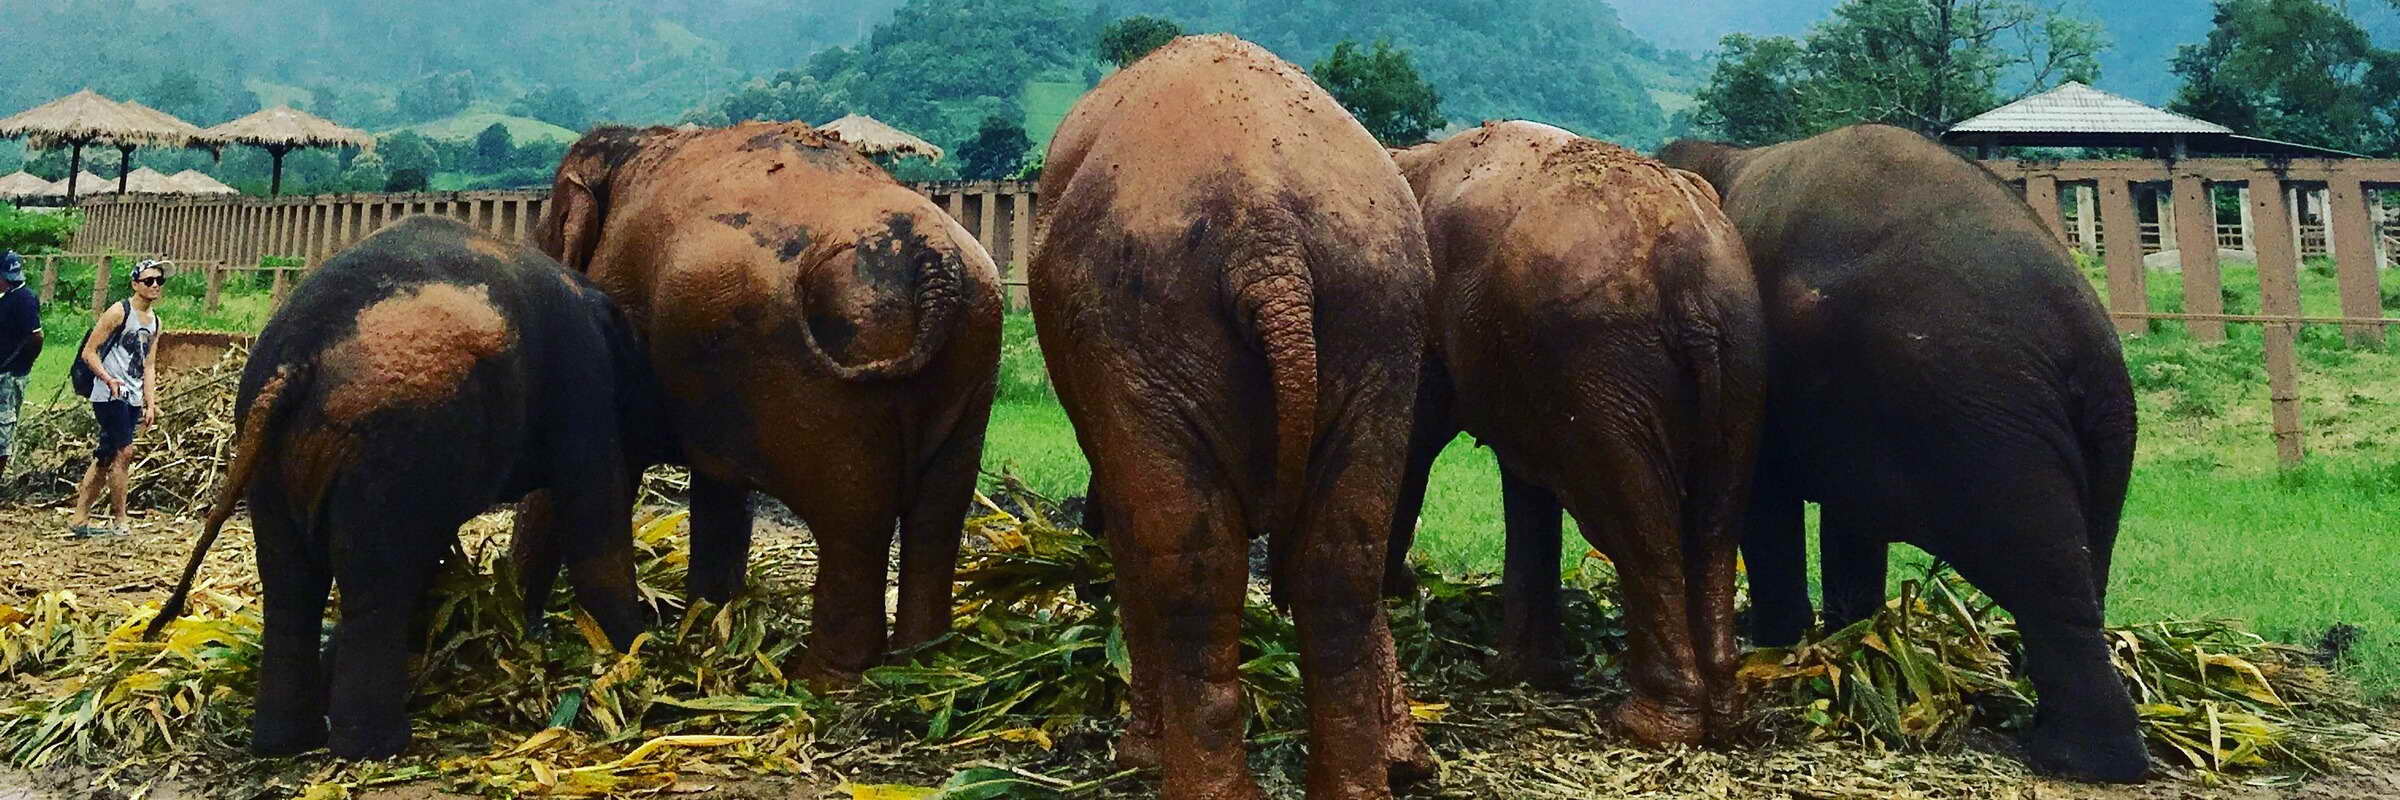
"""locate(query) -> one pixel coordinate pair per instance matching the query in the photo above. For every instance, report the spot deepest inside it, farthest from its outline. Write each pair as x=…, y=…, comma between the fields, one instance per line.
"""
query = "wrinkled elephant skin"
x=824, y=335
x=1598, y=327
x=1939, y=374
x=1230, y=293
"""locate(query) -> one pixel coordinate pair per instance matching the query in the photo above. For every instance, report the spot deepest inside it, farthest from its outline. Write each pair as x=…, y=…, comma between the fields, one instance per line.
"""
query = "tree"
x=1126, y=40
x=493, y=147
x=434, y=96
x=557, y=105
x=787, y=96
x=1382, y=89
x=366, y=174
x=407, y=150
x=997, y=151
x=2298, y=70
x=406, y=180
x=1919, y=64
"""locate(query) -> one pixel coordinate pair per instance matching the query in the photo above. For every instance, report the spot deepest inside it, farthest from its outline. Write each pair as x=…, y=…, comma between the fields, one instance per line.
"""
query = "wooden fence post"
x=2128, y=287
x=2087, y=213
x=2277, y=245
x=1020, y=247
x=216, y=283
x=100, y=286
x=2353, y=248
x=2041, y=192
x=2196, y=243
x=49, y=278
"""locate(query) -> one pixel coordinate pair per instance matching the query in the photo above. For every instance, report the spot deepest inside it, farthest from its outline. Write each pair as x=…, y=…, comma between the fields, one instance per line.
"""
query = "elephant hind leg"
x=2028, y=553
x=721, y=527
x=1630, y=513
x=1775, y=550
x=931, y=524
x=290, y=715
x=386, y=563
x=1531, y=628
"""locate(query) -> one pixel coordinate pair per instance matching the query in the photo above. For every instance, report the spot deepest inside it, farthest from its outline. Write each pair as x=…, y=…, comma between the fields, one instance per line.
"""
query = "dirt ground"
x=37, y=555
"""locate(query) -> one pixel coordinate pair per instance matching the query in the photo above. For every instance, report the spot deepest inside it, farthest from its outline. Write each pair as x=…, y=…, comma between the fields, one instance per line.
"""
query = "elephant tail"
x=940, y=291
x=1725, y=362
x=253, y=434
x=1274, y=295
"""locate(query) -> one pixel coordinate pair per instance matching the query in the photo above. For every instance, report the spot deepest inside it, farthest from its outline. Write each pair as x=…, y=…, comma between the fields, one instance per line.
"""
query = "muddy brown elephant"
x=1940, y=374
x=1230, y=293
x=1595, y=319
x=413, y=381
x=824, y=334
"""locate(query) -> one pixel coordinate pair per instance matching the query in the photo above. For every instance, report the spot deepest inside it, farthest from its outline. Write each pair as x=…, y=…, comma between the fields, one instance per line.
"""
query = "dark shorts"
x=116, y=428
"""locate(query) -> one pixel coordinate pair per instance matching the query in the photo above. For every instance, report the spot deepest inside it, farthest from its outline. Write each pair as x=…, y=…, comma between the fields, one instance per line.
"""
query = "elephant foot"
x=371, y=742
x=1730, y=721
x=272, y=737
x=1655, y=725
x=1400, y=582
x=1405, y=753
x=2087, y=756
x=1138, y=747
x=820, y=675
x=1546, y=672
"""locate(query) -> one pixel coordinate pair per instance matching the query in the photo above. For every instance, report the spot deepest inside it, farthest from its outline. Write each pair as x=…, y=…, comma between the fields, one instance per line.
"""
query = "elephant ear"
x=571, y=226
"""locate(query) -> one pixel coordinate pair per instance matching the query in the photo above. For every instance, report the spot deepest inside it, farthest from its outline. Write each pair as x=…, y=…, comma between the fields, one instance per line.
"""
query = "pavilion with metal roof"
x=2075, y=115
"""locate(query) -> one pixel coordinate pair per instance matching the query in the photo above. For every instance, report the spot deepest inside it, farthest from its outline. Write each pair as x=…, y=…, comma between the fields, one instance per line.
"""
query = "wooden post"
x=956, y=203
x=2162, y=206
x=2087, y=212
x=2196, y=241
x=2279, y=295
x=49, y=278
x=216, y=283
x=275, y=288
x=2041, y=192
x=2354, y=259
x=987, y=220
x=1021, y=251
x=524, y=228
x=2128, y=288
x=2249, y=220
x=100, y=286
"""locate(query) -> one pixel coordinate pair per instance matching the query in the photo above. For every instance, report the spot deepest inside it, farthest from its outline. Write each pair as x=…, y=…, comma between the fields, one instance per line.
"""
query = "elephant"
x=1597, y=327
x=409, y=384
x=823, y=334
x=1230, y=291
x=1938, y=373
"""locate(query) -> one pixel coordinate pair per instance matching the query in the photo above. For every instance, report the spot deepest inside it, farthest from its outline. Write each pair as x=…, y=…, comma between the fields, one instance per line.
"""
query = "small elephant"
x=412, y=382
x=1230, y=292
x=1939, y=374
x=1597, y=326
x=824, y=334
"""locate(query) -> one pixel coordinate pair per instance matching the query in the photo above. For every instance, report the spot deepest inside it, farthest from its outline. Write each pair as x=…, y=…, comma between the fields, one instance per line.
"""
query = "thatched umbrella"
x=192, y=181
x=21, y=184
x=150, y=181
x=193, y=137
x=83, y=118
x=283, y=129
x=870, y=136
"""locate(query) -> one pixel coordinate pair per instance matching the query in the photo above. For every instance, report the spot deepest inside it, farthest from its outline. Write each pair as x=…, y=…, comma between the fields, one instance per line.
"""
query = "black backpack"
x=77, y=372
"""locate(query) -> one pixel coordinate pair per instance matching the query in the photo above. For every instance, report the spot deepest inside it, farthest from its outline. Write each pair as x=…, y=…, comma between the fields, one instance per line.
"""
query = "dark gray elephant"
x=1938, y=374
x=412, y=382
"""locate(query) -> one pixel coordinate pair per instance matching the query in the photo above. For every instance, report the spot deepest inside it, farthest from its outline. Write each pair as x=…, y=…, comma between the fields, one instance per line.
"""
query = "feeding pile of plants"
x=1026, y=694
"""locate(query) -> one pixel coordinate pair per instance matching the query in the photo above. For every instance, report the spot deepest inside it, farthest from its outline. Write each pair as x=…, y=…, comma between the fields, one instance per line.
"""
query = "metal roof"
x=2076, y=108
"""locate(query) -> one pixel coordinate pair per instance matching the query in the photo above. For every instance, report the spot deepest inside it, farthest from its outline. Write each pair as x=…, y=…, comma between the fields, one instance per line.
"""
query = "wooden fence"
x=241, y=233
x=2347, y=191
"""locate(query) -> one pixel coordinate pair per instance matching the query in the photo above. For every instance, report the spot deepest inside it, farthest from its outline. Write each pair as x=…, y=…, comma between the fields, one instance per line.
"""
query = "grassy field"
x=2212, y=528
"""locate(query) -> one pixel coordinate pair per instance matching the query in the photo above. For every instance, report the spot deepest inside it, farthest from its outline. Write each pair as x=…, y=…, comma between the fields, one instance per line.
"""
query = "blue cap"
x=12, y=268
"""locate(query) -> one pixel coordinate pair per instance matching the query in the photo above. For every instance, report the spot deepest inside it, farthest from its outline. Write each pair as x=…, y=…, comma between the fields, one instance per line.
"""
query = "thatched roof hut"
x=283, y=129
x=24, y=184
x=85, y=117
x=150, y=181
x=871, y=136
x=192, y=181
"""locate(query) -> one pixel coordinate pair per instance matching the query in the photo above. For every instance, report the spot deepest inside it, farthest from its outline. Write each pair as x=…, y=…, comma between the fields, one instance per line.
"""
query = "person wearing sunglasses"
x=118, y=354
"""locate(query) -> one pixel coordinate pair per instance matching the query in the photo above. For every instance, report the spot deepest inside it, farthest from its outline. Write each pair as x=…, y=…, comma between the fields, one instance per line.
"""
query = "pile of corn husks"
x=1025, y=696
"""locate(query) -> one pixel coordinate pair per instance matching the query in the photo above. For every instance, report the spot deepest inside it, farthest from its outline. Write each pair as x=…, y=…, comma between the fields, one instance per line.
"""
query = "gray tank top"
x=127, y=360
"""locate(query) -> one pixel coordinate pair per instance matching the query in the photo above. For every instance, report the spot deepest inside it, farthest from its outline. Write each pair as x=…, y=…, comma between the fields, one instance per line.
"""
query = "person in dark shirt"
x=20, y=342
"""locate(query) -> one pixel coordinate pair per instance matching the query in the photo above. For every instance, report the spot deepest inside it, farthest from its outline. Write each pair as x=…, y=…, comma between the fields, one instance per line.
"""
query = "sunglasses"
x=154, y=280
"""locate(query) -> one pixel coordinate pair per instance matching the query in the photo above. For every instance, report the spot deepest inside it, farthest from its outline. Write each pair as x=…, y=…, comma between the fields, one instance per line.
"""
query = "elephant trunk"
x=252, y=436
